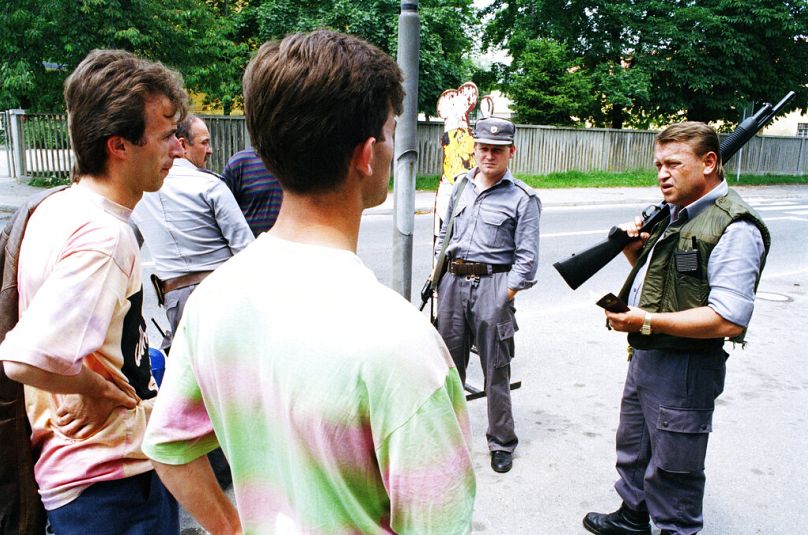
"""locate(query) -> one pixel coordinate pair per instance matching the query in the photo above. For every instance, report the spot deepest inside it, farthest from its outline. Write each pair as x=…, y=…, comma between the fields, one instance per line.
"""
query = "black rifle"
x=578, y=268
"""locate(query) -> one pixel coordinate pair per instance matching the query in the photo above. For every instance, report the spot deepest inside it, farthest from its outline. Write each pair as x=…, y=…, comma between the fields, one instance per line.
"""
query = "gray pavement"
x=572, y=371
x=14, y=193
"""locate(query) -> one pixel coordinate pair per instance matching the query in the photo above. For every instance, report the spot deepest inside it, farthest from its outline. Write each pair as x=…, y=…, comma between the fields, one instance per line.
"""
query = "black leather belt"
x=459, y=267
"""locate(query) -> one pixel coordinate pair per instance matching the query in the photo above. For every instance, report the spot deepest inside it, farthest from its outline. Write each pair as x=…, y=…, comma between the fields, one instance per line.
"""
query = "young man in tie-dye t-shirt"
x=335, y=401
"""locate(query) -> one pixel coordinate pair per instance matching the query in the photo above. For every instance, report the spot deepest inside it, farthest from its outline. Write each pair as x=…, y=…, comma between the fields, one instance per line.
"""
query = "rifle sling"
x=448, y=236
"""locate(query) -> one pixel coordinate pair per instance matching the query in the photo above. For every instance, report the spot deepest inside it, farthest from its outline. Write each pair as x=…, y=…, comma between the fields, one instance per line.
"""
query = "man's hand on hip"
x=80, y=416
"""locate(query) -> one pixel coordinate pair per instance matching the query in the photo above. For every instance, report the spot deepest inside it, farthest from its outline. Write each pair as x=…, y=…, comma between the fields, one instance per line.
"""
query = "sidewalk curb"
x=14, y=194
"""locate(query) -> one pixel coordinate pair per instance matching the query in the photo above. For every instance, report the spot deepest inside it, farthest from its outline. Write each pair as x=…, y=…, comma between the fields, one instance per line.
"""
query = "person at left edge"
x=80, y=345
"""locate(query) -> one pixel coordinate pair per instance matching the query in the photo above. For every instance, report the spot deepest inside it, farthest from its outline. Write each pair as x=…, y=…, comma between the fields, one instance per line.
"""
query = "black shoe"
x=624, y=521
x=501, y=461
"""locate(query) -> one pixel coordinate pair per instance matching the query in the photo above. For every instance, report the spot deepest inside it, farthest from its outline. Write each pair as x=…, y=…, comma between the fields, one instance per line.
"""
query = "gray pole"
x=406, y=155
x=17, y=140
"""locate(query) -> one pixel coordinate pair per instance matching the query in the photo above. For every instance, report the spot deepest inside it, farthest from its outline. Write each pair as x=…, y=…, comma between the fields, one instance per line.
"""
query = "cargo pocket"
x=504, y=344
x=681, y=439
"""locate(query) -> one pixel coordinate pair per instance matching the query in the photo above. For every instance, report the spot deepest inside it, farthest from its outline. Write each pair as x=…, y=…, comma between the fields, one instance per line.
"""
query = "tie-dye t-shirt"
x=334, y=400
x=81, y=305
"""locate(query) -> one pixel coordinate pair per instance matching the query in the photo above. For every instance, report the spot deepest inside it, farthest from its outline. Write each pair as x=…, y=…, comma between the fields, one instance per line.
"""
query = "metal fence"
x=540, y=149
x=543, y=149
x=228, y=135
x=7, y=157
x=47, y=144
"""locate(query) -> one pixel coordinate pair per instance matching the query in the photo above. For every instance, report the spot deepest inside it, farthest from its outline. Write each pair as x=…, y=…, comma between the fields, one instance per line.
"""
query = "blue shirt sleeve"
x=526, y=238
x=732, y=270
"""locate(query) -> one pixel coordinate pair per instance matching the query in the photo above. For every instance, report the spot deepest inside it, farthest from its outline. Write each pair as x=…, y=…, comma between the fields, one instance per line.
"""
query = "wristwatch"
x=646, y=324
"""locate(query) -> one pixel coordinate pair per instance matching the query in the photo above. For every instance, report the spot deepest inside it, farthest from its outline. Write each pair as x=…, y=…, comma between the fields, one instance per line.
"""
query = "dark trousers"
x=477, y=310
x=665, y=421
x=137, y=505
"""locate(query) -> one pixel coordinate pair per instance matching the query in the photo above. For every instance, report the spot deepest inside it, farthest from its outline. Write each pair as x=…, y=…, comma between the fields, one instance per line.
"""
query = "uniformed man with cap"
x=492, y=255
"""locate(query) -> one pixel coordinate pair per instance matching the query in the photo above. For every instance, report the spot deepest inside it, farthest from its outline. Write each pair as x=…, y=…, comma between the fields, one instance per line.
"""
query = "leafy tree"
x=445, y=29
x=41, y=42
x=210, y=41
x=546, y=85
x=717, y=56
x=618, y=87
x=662, y=59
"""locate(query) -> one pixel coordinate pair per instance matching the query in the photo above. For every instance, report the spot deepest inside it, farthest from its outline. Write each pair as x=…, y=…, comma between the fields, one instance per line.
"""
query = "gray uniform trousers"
x=665, y=421
x=175, y=305
x=477, y=310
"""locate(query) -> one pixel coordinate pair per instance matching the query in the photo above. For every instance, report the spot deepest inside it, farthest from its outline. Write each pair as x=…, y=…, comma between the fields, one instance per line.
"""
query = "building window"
x=802, y=129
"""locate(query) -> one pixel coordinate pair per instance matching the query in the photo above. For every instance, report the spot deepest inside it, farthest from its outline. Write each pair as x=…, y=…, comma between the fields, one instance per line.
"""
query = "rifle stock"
x=581, y=266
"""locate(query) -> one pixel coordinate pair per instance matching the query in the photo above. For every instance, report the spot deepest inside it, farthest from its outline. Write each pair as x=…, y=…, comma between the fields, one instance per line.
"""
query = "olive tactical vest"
x=677, y=276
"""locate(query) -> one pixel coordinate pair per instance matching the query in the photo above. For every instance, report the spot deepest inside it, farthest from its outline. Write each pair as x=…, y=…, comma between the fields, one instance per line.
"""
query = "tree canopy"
x=445, y=30
x=551, y=90
x=660, y=60
x=210, y=42
x=41, y=42
x=607, y=62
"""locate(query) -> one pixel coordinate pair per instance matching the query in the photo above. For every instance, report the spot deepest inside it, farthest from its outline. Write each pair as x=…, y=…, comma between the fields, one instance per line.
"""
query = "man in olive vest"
x=692, y=286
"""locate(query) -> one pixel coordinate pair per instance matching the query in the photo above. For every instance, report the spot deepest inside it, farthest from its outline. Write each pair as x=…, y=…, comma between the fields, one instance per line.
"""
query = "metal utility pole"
x=406, y=150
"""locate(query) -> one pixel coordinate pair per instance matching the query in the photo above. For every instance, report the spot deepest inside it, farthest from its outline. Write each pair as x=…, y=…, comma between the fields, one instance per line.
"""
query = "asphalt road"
x=573, y=369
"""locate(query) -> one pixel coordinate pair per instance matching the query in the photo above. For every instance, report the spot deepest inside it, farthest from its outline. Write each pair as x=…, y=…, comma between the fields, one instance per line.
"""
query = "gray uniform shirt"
x=192, y=223
x=498, y=226
x=733, y=265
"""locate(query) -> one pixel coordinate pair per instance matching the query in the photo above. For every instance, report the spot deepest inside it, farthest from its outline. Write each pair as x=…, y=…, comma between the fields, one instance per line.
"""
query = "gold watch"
x=646, y=324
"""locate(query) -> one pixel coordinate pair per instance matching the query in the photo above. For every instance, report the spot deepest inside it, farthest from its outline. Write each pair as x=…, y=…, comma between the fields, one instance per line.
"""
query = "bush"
x=50, y=181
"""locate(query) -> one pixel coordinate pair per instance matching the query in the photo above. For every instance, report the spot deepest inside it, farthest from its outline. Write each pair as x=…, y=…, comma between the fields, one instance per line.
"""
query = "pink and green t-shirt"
x=81, y=305
x=334, y=400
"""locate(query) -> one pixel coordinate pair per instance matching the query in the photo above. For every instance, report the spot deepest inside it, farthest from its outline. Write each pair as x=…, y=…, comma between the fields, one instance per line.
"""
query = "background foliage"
x=41, y=41
x=654, y=61
x=613, y=63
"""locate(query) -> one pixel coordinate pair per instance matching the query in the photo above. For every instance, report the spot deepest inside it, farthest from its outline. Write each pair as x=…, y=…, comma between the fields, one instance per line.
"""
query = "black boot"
x=624, y=521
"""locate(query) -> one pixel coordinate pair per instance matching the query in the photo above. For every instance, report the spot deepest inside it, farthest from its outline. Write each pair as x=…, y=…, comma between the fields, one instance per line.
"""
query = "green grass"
x=48, y=181
x=569, y=179
x=603, y=179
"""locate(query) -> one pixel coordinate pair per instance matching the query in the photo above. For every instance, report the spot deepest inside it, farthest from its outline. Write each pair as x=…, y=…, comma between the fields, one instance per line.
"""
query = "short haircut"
x=701, y=138
x=184, y=128
x=310, y=99
x=106, y=96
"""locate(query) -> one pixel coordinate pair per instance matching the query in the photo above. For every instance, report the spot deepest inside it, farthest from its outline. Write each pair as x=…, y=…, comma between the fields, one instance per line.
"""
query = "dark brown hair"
x=310, y=99
x=106, y=96
x=701, y=138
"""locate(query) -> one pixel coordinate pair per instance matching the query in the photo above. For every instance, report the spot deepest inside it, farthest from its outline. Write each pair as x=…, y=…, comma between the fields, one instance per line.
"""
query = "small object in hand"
x=612, y=303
